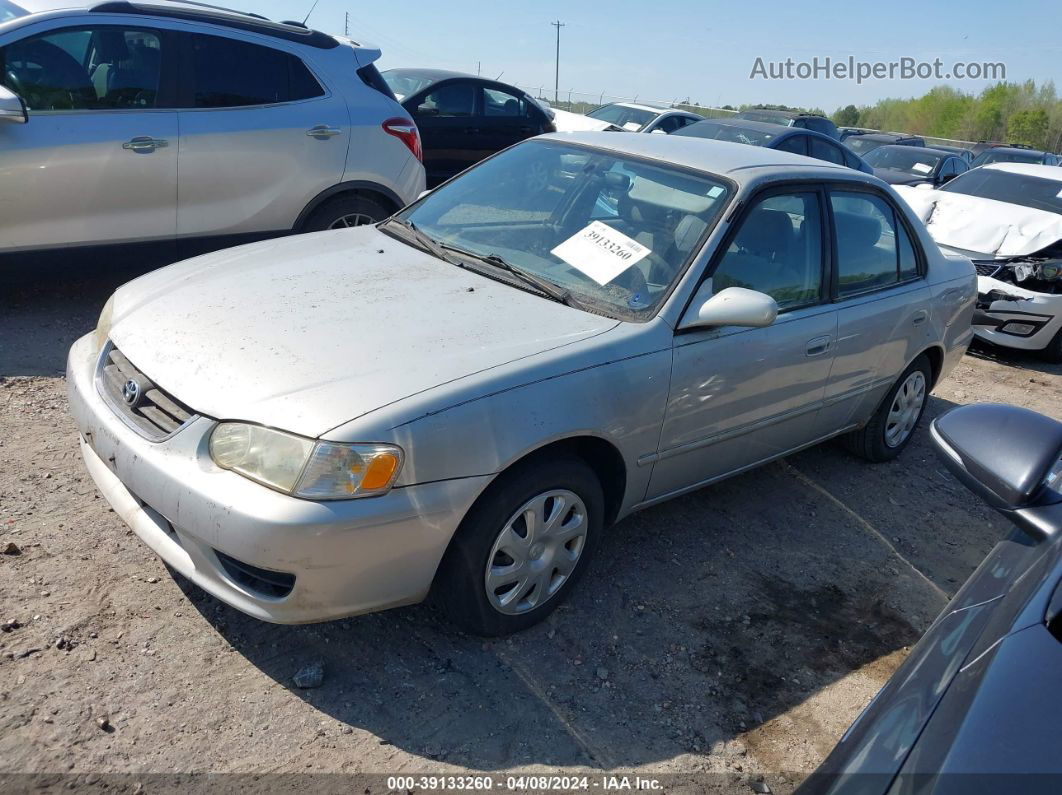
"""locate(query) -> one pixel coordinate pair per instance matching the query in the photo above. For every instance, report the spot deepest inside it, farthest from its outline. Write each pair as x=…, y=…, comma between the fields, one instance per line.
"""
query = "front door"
x=740, y=396
x=97, y=161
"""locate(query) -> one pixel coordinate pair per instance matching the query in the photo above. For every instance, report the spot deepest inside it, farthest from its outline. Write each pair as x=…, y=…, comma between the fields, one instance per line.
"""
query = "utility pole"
x=346, y=24
x=556, y=79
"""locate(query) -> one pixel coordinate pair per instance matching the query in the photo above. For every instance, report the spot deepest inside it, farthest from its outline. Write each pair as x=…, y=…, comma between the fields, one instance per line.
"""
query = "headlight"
x=302, y=467
x=103, y=325
x=1049, y=271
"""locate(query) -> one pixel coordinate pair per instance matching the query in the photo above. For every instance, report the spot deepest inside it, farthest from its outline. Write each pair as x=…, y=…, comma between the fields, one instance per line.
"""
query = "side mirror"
x=12, y=108
x=423, y=193
x=658, y=131
x=946, y=178
x=1010, y=457
x=734, y=306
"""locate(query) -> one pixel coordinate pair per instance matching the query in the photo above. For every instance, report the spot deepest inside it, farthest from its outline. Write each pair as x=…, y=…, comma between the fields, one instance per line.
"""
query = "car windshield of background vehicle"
x=726, y=132
x=404, y=85
x=9, y=11
x=628, y=118
x=1003, y=186
x=861, y=145
x=614, y=231
x=1006, y=157
x=910, y=159
x=767, y=116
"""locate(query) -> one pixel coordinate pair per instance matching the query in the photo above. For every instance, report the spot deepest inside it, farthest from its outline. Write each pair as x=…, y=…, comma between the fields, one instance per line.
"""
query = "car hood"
x=986, y=227
x=565, y=121
x=309, y=332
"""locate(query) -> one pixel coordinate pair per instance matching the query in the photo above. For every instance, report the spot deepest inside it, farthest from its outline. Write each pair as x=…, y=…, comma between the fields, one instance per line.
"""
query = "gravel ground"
x=734, y=632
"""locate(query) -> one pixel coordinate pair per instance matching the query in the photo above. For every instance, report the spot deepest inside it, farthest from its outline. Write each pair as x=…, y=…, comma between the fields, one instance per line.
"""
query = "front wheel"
x=894, y=422
x=522, y=547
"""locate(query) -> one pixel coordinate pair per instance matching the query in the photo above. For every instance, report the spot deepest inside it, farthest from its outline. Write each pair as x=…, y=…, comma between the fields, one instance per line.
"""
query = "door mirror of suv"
x=12, y=108
x=734, y=306
x=1010, y=457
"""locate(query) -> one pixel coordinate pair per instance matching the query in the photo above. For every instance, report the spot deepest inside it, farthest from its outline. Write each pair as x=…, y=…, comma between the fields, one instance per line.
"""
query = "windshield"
x=913, y=160
x=614, y=231
x=402, y=84
x=1006, y=156
x=1004, y=186
x=632, y=119
x=860, y=144
x=726, y=132
x=9, y=11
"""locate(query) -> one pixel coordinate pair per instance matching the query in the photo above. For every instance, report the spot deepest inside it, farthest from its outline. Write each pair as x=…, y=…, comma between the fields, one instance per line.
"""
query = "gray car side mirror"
x=734, y=306
x=12, y=108
x=1008, y=456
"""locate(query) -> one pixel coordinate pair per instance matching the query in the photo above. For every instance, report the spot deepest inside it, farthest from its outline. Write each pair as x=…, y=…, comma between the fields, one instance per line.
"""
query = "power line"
x=556, y=77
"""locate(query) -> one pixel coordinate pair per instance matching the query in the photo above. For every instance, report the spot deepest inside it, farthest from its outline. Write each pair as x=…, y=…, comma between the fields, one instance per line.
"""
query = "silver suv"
x=130, y=122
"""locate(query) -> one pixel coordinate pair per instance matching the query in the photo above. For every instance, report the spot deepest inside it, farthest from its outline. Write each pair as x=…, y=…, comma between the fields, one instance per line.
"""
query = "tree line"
x=1019, y=113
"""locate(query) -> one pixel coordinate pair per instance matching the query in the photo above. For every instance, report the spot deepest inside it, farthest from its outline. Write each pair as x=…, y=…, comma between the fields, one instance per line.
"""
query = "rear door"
x=506, y=118
x=446, y=116
x=882, y=302
x=261, y=135
x=97, y=161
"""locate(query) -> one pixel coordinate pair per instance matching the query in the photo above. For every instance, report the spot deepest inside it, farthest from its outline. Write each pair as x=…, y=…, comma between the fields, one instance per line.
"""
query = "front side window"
x=797, y=144
x=452, y=99
x=614, y=231
x=92, y=68
x=873, y=247
x=822, y=150
x=777, y=250
x=228, y=73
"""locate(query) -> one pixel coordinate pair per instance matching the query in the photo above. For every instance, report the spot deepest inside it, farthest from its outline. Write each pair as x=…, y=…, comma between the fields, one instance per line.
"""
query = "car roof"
x=780, y=131
x=918, y=149
x=739, y=162
x=1017, y=150
x=639, y=106
x=434, y=75
x=1029, y=170
x=887, y=136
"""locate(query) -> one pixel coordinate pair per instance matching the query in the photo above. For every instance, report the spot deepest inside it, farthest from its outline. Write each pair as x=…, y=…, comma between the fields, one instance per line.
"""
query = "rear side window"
x=452, y=99
x=226, y=73
x=797, y=144
x=873, y=248
x=821, y=150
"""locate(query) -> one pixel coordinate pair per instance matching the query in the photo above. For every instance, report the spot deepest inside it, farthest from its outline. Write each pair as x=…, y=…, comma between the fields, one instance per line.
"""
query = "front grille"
x=138, y=400
x=271, y=584
x=987, y=268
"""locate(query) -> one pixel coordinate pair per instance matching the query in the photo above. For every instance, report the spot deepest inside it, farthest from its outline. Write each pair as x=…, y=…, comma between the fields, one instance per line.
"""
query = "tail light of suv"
x=406, y=132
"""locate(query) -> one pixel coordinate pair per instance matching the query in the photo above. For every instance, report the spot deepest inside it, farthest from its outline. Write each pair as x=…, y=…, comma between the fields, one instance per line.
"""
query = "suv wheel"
x=894, y=422
x=522, y=547
x=346, y=211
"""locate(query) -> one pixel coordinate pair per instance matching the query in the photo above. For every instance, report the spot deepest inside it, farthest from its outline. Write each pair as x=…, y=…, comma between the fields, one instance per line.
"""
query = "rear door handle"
x=145, y=143
x=818, y=346
x=323, y=132
x=920, y=317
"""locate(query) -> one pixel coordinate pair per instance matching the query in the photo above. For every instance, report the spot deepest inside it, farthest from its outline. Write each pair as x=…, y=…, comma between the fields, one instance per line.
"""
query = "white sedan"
x=626, y=116
x=1007, y=217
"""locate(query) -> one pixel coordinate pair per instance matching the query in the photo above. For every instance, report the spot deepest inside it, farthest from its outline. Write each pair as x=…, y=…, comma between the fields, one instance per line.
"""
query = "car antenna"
x=315, y=2
x=500, y=74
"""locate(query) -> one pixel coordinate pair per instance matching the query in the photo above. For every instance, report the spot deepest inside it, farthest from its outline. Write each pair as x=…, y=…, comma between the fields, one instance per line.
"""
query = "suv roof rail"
x=216, y=15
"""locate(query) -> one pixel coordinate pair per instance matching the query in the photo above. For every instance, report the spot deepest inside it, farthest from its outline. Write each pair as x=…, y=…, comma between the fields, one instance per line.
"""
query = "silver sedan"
x=461, y=400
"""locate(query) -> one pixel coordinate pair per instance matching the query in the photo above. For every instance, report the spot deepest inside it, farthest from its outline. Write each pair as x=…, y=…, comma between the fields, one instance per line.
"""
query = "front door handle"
x=818, y=346
x=323, y=132
x=145, y=143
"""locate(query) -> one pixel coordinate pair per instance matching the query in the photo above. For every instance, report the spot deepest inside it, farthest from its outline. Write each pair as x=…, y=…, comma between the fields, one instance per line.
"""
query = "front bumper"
x=1041, y=311
x=347, y=557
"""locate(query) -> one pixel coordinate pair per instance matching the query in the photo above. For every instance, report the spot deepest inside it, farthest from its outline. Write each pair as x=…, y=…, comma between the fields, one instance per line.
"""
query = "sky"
x=702, y=51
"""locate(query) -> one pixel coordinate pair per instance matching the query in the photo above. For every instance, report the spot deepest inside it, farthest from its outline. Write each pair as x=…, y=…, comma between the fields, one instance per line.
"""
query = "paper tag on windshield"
x=601, y=252
x=922, y=168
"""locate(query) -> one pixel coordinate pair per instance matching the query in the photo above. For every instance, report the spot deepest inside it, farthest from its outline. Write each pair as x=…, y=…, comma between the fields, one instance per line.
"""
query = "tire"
x=331, y=214
x=472, y=586
x=884, y=438
x=1053, y=352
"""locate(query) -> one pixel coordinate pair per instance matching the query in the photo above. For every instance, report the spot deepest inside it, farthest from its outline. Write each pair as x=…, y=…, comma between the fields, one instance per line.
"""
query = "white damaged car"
x=1007, y=217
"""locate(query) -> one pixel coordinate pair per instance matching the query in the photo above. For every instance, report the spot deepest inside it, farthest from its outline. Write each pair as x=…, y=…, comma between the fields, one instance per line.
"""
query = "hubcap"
x=536, y=552
x=354, y=219
x=906, y=409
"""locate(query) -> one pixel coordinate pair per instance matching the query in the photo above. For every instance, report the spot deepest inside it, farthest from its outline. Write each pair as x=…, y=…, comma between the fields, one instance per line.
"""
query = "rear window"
x=9, y=11
x=371, y=77
x=227, y=73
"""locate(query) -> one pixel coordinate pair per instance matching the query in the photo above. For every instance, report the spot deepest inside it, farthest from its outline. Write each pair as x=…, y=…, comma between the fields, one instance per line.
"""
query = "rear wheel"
x=894, y=422
x=522, y=546
x=346, y=211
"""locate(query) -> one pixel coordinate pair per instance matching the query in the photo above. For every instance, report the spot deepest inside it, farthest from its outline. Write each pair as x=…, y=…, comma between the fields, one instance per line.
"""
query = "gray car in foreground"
x=976, y=708
x=465, y=397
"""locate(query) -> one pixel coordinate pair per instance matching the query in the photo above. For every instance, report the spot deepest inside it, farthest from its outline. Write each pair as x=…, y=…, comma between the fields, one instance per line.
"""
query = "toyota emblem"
x=131, y=392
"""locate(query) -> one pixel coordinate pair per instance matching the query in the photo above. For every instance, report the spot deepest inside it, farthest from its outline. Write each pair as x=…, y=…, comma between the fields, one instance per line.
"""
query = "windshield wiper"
x=426, y=241
x=551, y=290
